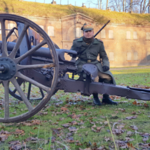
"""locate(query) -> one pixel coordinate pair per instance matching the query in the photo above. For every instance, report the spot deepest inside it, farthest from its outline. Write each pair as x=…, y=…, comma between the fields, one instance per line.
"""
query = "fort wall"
x=126, y=45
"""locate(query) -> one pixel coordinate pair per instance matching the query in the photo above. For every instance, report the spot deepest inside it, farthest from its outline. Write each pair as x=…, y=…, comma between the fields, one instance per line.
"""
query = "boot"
x=107, y=100
x=96, y=100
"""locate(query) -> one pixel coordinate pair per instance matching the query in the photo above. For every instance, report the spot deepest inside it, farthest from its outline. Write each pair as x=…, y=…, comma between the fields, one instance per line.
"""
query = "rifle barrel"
x=101, y=28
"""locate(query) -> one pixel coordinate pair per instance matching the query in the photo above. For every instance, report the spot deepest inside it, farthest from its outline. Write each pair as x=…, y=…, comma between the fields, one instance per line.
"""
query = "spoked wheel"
x=21, y=82
x=12, y=69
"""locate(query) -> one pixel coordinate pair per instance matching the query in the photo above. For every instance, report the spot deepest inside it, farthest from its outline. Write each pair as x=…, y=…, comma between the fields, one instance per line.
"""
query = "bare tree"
x=131, y=5
x=98, y=3
x=138, y=6
x=107, y=1
x=144, y=4
x=116, y=5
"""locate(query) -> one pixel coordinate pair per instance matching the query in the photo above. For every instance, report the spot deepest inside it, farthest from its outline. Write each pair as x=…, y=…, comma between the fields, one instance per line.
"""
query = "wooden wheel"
x=29, y=96
x=12, y=69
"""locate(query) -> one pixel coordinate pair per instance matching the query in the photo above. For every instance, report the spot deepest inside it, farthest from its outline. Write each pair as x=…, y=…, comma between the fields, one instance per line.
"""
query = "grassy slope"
x=57, y=11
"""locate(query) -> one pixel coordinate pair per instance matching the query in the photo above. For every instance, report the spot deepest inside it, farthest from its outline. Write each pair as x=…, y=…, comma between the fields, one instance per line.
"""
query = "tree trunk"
x=124, y=5
x=131, y=5
x=107, y=4
x=141, y=6
x=100, y=4
x=144, y=6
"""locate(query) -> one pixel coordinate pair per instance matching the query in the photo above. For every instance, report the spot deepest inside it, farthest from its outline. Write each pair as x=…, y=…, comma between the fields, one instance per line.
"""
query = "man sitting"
x=88, y=48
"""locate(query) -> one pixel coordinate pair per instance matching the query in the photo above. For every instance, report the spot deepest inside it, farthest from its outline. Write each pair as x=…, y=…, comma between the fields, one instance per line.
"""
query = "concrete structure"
x=53, y=2
x=126, y=45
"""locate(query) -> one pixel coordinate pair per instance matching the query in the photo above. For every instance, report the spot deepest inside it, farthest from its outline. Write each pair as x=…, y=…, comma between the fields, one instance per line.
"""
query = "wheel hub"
x=7, y=68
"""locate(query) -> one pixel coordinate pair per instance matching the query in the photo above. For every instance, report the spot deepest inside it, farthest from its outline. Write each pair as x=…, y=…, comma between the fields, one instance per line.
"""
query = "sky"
x=66, y=2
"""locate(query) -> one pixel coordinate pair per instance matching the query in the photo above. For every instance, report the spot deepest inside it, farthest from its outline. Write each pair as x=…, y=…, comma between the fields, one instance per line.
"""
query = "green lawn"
x=70, y=121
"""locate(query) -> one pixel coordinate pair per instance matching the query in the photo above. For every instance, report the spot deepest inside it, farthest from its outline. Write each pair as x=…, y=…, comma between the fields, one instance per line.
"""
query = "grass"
x=58, y=11
x=61, y=124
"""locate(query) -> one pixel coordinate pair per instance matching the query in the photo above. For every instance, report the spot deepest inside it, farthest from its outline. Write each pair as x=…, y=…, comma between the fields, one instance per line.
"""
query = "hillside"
x=58, y=11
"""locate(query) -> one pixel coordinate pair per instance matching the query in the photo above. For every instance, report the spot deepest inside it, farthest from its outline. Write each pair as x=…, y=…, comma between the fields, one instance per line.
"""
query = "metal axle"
x=2, y=68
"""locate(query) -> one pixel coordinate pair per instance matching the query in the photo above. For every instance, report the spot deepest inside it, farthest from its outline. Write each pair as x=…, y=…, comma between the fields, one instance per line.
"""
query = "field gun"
x=33, y=68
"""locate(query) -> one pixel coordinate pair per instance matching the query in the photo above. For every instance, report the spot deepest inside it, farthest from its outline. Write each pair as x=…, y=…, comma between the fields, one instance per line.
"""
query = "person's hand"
x=105, y=68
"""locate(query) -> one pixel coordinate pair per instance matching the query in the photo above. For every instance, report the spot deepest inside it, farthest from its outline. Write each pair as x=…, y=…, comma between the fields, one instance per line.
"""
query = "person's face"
x=88, y=34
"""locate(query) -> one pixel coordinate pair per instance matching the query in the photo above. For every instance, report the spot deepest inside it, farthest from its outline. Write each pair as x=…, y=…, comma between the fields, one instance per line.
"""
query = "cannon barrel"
x=43, y=51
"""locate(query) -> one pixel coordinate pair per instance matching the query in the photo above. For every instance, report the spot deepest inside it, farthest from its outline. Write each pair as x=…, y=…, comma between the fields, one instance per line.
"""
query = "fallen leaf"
x=121, y=144
x=129, y=133
x=80, y=123
x=19, y=132
x=101, y=148
x=134, y=127
x=98, y=129
x=131, y=146
x=64, y=109
x=66, y=125
x=36, y=122
x=128, y=139
x=146, y=105
x=31, y=139
x=3, y=137
x=16, y=145
x=133, y=113
x=146, y=138
x=107, y=139
x=117, y=131
x=145, y=146
x=106, y=123
x=122, y=109
x=120, y=126
x=73, y=123
x=53, y=139
x=134, y=103
x=72, y=129
x=70, y=140
x=69, y=134
x=131, y=117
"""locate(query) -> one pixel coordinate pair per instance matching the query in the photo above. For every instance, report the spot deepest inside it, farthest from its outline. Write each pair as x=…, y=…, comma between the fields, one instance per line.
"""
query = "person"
x=88, y=48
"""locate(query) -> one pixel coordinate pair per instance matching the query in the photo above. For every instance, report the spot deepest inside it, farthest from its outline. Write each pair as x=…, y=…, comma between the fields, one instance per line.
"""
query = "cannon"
x=33, y=68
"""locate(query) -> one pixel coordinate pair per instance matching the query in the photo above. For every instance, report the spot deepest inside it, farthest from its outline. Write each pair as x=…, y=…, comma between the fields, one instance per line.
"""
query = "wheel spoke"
x=17, y=60
x=6, y=98
x=42, y=93
x=14, y=91
x=4, y=42
x=15, y=49
x=20, y=67
x=24, y=98
x=20, y=75
x=29, y=90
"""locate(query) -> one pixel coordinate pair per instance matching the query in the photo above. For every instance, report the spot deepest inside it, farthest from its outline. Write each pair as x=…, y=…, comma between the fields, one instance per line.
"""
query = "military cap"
x=87, y=27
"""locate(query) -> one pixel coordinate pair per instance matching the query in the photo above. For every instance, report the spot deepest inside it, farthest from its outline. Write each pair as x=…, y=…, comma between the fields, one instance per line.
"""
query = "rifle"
x=101, y=28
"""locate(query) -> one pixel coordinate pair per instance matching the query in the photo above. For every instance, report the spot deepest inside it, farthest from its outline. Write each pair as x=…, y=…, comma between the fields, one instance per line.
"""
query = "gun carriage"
x=32, y=58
